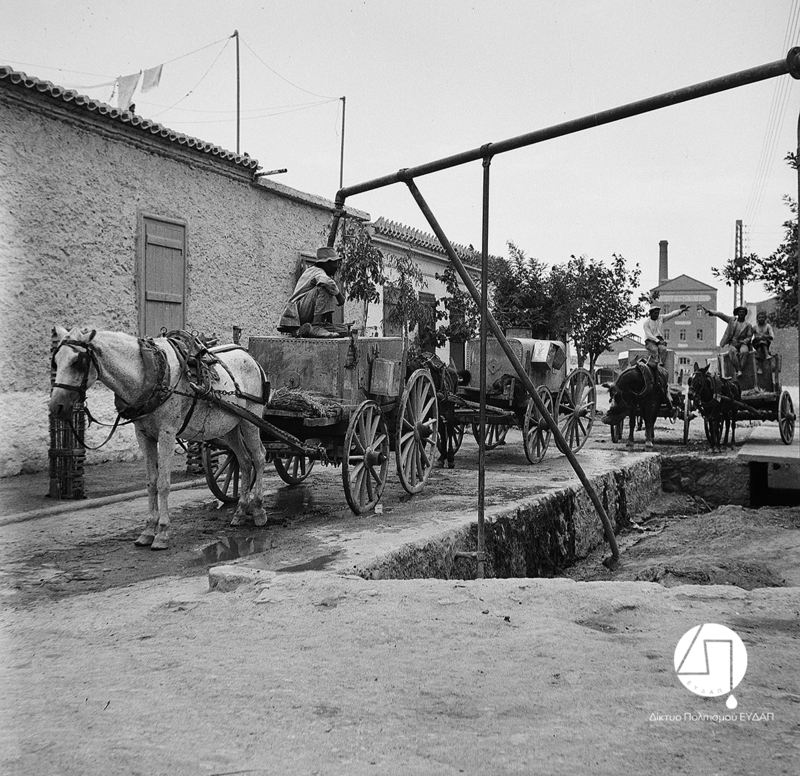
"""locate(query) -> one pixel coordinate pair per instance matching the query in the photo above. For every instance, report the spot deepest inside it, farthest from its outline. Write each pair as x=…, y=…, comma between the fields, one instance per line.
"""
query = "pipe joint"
x=793, y=62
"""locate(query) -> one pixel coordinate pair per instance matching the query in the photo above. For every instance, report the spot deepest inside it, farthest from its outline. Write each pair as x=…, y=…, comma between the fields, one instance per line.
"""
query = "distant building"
x=693, y=335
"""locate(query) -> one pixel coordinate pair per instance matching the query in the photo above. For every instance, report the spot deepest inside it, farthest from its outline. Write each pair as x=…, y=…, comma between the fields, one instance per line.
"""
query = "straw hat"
x=324, y=255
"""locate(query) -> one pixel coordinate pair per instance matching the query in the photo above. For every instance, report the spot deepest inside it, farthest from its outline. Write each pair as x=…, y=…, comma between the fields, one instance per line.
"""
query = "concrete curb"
x=89, y=503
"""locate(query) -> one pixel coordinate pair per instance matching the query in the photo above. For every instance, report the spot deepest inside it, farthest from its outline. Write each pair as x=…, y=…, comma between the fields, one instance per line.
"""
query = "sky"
x=424, y=80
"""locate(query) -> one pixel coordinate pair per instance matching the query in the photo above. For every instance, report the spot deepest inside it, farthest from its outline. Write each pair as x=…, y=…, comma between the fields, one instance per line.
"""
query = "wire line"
x=313, y=94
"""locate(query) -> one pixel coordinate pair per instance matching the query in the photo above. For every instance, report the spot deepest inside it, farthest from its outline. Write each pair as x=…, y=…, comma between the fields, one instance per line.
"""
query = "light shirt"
x=654, y=329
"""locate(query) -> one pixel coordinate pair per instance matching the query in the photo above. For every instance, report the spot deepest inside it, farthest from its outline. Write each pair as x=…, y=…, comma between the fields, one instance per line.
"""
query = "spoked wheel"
x=535, y=431
x=577, y=400
x=365, y=461
x=222, y=472
x=417, y=431
x=456, y=434
x=293, y=468
x=495, y=433
x=786, y=418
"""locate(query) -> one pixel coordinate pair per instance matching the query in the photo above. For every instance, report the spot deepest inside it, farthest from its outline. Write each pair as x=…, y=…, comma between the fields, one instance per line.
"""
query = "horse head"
x=75, y=364
x=701, y=386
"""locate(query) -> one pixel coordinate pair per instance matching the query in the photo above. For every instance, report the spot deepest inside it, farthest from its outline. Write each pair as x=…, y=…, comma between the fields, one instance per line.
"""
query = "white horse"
x=163, y=405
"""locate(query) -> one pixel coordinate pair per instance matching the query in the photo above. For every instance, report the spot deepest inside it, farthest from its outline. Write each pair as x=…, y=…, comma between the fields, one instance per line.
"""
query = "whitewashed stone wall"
x=72, y=190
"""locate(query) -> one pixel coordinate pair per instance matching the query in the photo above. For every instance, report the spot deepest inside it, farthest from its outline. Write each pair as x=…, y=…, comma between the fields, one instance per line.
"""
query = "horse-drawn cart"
x=762, y=395
x=569, y=398
x=346, y=402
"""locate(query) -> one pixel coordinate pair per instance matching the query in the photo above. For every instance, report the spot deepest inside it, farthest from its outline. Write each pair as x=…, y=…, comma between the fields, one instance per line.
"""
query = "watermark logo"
x=711, y=660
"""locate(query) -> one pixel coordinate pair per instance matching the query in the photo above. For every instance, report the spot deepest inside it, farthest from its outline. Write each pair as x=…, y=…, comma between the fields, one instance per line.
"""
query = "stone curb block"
x=224, y=579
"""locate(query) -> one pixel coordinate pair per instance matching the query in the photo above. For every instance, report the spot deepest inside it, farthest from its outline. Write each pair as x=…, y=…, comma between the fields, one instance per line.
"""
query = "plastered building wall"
x=73, y=189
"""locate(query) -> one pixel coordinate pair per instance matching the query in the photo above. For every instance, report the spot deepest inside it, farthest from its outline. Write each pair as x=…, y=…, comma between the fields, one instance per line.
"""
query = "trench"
x=549, y=537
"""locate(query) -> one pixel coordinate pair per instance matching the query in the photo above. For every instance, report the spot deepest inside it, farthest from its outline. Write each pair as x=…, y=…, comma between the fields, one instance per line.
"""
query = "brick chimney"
x=663, y=269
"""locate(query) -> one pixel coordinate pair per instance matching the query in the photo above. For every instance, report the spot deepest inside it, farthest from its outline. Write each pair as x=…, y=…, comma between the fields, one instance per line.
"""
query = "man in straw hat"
x=656, y=346
x=654, y=331
x=737, y=336
x=309, y=310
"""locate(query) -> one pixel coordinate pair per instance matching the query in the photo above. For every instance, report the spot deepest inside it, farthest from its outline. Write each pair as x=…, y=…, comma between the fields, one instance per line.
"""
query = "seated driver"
x=309, y=310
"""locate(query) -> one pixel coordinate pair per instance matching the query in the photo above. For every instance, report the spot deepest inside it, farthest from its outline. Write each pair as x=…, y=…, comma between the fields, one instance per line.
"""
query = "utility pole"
x=238, y=91
x=341, y=156
x=739, y=261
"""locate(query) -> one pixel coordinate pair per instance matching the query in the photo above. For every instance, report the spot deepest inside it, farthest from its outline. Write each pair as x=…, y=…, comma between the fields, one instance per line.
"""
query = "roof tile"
x=21, y=80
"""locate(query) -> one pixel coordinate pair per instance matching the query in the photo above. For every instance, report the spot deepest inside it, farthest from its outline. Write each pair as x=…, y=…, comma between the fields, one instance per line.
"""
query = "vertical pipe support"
x=481, y=554
x=518, y=368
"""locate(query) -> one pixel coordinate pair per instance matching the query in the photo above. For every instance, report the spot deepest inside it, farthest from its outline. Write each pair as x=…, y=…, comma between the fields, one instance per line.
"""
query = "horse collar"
x=155, y=390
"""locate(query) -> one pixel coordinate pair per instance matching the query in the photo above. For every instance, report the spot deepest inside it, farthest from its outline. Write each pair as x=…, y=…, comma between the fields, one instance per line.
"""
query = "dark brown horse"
x=636, y=392
x=716, y=398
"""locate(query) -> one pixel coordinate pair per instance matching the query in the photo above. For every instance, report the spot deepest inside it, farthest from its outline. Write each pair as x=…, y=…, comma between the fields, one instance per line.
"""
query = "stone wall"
x=536, y=538
x=74, y=188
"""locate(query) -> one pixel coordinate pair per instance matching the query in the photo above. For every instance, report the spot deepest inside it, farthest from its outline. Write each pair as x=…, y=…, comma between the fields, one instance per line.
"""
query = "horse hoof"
x=145, y=539
x=239, y=518
x=451, y=464
x=161, y=542
x=260, y=518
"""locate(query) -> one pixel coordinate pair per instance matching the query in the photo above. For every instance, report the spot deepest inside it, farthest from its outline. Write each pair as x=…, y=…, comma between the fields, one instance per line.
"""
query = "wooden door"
x=162, y=276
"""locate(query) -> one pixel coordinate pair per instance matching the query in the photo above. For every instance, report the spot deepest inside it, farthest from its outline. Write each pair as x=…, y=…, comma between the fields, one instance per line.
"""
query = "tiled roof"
x=420, y=239
x=683, y=283
x=16, y=79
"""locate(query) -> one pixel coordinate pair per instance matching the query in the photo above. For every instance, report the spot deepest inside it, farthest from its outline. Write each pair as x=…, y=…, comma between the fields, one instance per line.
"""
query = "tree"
x=778, y=271
x=463, y=316
x=596, y=303
x=401, y=289
x=520, y=296
x=361, y=273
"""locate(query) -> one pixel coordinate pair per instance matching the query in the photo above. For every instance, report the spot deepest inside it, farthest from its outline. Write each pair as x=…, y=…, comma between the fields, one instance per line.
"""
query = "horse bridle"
x=86, y=360
x=709, y=381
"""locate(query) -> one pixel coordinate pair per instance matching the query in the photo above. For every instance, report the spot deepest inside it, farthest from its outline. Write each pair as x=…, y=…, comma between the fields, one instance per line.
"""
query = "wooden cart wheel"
x=576, y=404
x=293, y=468
x=458, y=436
x=495, y=433
x=365, y=462
x=786, y=418
x=687, y=416
x=456, y=433
x=222, y=472
x=535, y=431
x=417, y=431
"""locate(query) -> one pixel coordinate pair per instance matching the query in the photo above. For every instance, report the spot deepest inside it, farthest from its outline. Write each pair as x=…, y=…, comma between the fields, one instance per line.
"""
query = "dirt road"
x=117, y=660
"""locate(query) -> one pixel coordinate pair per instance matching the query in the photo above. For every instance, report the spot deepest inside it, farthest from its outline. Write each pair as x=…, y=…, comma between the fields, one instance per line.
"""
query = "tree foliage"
x=778, y=271
x=597, y=302
x=361, y=272
x=458, y=306
x=520, y=297
x=584, y=299
x=402, y=288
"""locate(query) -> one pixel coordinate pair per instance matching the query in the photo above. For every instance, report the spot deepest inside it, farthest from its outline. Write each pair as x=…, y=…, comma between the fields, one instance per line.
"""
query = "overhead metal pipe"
x=790, y=64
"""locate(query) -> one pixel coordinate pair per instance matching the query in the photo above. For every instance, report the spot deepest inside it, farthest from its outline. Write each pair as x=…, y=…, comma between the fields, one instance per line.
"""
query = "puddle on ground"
x=230, y=548
x=315, y=564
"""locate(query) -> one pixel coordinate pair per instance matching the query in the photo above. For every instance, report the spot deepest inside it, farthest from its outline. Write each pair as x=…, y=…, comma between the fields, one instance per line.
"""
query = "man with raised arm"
x=737, y=336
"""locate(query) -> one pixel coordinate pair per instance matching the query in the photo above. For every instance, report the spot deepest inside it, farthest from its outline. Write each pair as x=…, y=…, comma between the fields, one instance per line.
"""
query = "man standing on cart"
x=738, y=336
x=309, y=310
